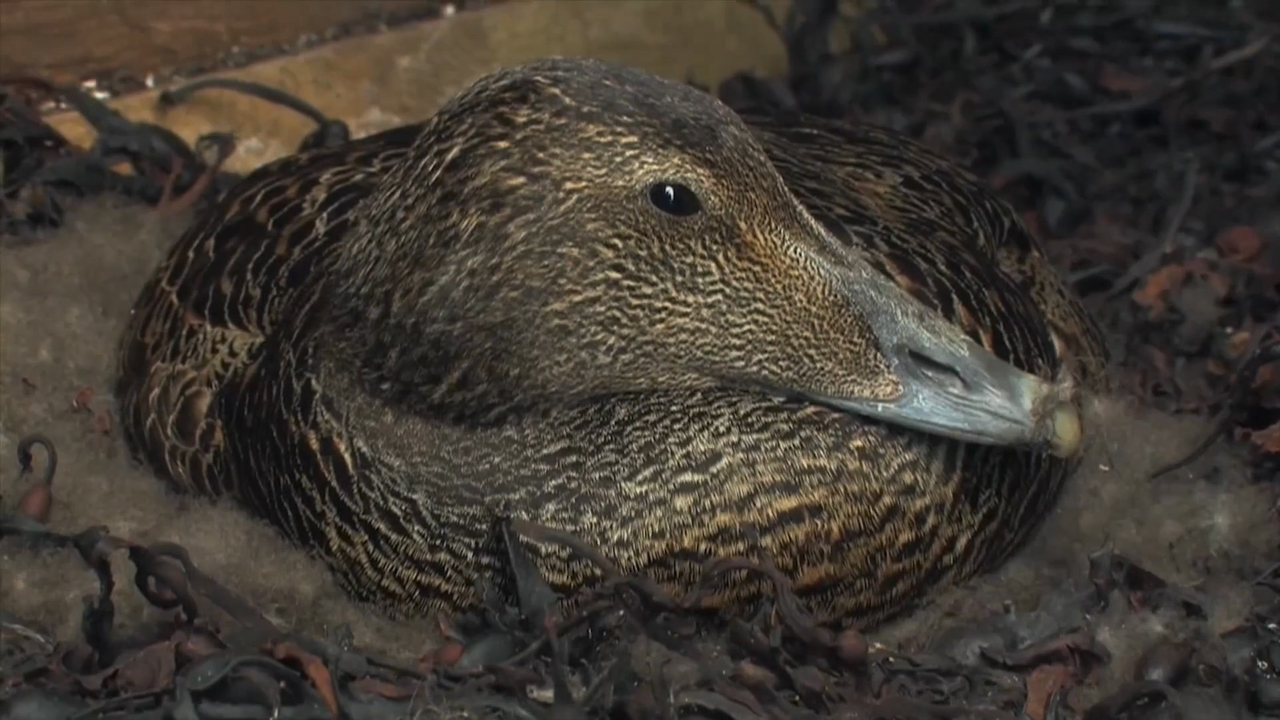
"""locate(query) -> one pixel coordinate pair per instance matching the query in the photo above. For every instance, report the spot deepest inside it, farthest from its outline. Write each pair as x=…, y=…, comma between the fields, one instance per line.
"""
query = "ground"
x=1163, y=214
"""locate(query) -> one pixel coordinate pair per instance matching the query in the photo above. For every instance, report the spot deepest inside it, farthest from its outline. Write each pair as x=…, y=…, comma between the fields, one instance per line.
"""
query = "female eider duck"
x=603, y=302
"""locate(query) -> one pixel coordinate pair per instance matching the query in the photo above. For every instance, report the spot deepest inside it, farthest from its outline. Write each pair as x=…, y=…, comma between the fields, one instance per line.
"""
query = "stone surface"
x=378, y=81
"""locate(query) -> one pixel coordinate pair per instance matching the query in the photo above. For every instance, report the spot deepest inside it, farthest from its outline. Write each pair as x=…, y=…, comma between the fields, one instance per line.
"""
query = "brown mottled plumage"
x=380, y=347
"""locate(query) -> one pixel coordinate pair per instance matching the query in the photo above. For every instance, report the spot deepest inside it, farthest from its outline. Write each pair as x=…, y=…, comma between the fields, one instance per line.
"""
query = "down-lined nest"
x=1138, y=142
x=1208, y=531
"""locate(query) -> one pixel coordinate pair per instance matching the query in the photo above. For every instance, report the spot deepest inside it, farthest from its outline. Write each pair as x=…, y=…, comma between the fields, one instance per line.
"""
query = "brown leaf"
x=37, y=502
x=1118, y=80
x=852, y=647
x=1043, y=683
x=1267, y=376
x=1267, y=439
x=102, y=422
x=1237, y=343
x=94, y=681
x=80, y=401
x=382, y=688
x=1240, y=243
x=446, y=655
x=151, y=669
x=197, y=643
x=1153, y=293
x=76, y=658
x=314, y=669
x=754, y=676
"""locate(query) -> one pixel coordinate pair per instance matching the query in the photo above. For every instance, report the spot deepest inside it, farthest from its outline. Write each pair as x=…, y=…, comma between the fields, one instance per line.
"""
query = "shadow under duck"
x=604, y=302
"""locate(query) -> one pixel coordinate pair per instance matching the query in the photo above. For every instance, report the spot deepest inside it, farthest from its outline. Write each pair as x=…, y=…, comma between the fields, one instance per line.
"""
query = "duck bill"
x=952, y=386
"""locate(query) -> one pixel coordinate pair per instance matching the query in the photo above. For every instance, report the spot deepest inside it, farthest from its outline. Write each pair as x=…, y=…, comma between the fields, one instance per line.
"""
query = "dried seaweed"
x=1141, y=142
x=42, y=171
x=632, y=649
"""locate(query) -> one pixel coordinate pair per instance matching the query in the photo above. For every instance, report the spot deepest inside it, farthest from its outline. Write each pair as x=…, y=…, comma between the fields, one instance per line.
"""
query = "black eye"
x=674, y=199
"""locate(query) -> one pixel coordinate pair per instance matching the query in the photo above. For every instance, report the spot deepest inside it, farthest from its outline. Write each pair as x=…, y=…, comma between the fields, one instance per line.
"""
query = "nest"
x=1138, y=139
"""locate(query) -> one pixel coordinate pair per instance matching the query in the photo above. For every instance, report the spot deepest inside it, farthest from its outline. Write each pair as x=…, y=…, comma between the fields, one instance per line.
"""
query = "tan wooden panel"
x=69, y=39
x=377, y=81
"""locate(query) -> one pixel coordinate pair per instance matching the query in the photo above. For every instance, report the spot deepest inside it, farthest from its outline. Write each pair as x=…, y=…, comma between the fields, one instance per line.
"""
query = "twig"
x=542, y=533
x=953, y=17
x=1257, y=357
x=1218, y=64
x=25, y=458
x=1184, y=204
x=1152, y=260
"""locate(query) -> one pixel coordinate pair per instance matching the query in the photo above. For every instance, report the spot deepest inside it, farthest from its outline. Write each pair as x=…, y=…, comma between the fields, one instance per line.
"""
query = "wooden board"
x=70, y=39
x=374, y=82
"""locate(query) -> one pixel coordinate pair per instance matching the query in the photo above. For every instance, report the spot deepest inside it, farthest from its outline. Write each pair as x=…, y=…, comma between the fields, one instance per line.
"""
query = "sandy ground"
x=64, y=299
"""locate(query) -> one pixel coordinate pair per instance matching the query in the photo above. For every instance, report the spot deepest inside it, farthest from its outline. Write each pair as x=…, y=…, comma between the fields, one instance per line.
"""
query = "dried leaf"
x=1153, y=293
x=1267, y=376
x=753, y=675
x=1267, y=439
x=81, y=400
x=447, y=655
x=37, y=502
x=1043, y=683
x=1118, y=80
x=152, y=668
x=103, y=422
x=1240, y=243
x=95, y=681
x=198, y=642
x=383, y=689
x=1237, y=343
x=313, y=667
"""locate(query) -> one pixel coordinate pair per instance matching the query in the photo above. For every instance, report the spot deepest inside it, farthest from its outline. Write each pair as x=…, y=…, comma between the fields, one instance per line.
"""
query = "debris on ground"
x=1141, y=142
x=626, y=648
x=1139, y=139
x=136, y=160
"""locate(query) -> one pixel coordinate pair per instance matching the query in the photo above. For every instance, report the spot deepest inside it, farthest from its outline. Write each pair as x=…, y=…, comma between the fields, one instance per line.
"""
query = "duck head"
x=569, y=229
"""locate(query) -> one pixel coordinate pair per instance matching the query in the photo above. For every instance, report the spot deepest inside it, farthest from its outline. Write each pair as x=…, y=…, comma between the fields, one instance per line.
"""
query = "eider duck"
x=606, y=303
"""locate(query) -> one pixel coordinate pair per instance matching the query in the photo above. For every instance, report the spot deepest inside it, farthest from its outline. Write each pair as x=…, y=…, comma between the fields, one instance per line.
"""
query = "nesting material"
x=1208, y=527
x=63, y=303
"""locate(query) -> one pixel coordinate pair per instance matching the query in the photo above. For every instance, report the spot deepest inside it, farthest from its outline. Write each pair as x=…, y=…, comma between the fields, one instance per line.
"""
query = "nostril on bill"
x=937, y=372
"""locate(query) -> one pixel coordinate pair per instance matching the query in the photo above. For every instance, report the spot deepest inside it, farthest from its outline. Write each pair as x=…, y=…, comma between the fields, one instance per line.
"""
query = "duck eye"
x=674, y=199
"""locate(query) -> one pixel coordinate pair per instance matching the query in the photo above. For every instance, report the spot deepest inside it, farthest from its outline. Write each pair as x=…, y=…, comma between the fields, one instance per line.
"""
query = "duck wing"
x=200, y=320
